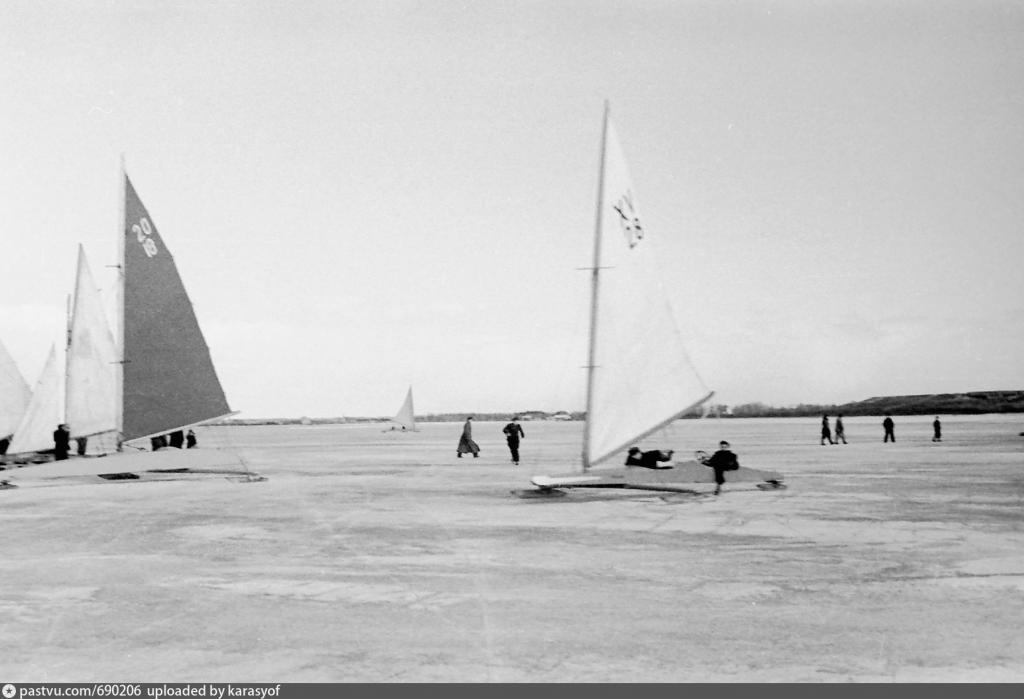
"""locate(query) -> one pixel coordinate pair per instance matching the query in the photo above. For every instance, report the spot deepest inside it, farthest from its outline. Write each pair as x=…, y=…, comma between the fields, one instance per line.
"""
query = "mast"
x=119, y=312
x=594, y=278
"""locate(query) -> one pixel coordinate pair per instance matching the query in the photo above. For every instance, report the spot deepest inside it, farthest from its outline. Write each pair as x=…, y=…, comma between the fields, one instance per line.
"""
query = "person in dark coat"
x=937, y=429
x=61, y=442
x=722, y=460
x=81, y=444
x=840, y=430
x=513, y=432
x=466, y=443
x=648, y=459
x=190, y=439
x=177, y=439
x=888, y=426
x=826, y=433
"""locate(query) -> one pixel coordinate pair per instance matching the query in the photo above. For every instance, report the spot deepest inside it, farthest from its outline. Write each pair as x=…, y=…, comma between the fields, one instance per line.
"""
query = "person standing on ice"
x=887, y=425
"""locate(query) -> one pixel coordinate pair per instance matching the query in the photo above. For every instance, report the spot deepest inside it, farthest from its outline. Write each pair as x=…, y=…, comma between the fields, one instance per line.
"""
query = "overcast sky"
x=363, y=196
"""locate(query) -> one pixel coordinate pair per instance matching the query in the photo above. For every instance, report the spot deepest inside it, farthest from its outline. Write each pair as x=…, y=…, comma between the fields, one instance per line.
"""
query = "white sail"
x=405, y=417
x=641, y=378
x=91, y=361
x=14, y=393
x=35, y=430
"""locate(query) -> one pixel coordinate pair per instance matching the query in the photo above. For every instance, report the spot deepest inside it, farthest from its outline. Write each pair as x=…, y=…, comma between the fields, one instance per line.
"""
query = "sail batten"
x=168, y=378
x=639, y=375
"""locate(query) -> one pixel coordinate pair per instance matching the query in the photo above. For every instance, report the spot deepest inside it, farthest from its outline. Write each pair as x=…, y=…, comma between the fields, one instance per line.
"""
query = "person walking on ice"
x=513, y=431
x=466, y=443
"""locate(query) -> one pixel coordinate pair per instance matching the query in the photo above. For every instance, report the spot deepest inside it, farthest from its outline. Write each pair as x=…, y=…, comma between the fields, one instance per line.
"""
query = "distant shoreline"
x=973, y=403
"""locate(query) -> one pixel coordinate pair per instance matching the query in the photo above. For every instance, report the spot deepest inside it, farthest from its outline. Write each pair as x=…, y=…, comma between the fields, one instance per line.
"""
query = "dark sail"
x=169, y=380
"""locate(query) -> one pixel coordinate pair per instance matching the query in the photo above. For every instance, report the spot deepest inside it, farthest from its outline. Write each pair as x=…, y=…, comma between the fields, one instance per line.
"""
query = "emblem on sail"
x=629, y=218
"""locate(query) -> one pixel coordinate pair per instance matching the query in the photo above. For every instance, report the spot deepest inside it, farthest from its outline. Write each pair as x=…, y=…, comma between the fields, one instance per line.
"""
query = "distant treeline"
x=977, y=402
x=973, y=403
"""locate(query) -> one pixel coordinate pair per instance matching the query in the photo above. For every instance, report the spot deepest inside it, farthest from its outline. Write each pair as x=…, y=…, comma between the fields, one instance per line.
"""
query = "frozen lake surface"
x=378, y=556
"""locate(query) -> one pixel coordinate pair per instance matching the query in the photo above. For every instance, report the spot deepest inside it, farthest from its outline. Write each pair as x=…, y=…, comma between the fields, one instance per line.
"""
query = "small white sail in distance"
x=406, y=417
x=640, y=376
x=44, y=412
x=14, y=393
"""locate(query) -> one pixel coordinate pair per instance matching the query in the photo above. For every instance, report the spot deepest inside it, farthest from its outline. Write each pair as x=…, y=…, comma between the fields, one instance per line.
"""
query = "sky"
x=366, y=196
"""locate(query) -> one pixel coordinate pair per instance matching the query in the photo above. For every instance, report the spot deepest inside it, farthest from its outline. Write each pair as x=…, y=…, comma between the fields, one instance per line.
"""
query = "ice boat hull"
x=169, y=464
x=683, y=476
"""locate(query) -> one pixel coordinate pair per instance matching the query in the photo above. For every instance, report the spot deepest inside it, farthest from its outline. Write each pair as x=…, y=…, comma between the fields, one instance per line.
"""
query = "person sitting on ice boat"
x=648, y=459
x=722, y=460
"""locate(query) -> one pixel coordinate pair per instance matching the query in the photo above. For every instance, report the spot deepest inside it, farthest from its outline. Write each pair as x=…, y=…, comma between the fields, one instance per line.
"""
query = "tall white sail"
x=14, y=393
x=92, y=357
x=405, y=417
x=641, y=377
x=35, y=430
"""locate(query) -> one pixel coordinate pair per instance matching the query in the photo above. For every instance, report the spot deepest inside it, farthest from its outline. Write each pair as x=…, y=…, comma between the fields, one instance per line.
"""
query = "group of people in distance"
x=888, y=427
x=176, y=439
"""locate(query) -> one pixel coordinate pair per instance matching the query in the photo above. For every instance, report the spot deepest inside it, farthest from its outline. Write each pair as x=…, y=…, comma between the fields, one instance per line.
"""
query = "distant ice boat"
x=639, y=377
x=405, y=419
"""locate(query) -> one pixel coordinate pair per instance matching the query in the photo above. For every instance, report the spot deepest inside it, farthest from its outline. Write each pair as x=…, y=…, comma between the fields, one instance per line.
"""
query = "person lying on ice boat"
x=648, y=459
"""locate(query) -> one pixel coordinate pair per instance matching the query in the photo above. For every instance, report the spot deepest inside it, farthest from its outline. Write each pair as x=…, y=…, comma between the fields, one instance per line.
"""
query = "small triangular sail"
x=35, y=430
x=168, y=377
x=14, y=394
x=91, y=382
x=642, y=378
x=405, y=417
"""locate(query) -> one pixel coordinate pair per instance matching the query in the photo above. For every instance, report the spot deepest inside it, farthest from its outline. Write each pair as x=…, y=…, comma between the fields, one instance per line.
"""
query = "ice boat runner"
x=405, y=419
x=639, y=377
